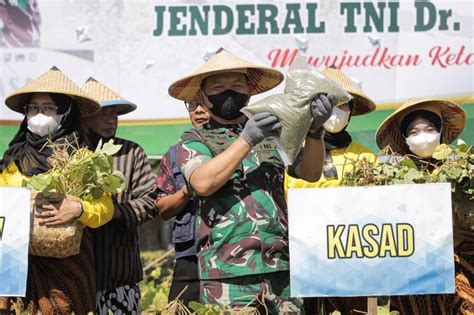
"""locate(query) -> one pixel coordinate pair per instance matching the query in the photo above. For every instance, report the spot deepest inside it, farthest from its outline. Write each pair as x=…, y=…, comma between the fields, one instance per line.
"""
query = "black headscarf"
x=405, y=125
x=339, y=140
x=425, y=114
x=28, y=150
x=92, y=139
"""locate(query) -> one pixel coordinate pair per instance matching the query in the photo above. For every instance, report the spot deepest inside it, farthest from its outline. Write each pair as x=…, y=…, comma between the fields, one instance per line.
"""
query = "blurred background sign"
x=394, y=50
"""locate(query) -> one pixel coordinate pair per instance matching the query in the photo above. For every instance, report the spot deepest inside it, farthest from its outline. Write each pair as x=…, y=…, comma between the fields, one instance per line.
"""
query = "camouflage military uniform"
x=266, y=292
x=242, y=229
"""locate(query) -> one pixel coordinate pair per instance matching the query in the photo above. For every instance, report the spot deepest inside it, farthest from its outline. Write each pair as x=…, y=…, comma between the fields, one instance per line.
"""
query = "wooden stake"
x=158, y=260
x=372, y=305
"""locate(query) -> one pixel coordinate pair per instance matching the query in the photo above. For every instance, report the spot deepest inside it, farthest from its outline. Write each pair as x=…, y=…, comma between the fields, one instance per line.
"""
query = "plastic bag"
x=303, y=83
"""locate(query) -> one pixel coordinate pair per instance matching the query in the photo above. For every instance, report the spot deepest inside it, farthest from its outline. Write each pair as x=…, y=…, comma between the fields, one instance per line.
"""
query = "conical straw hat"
x=261, y=79
x=107, y=97
x=362, y=104
x=53, y=81
x=452, y=115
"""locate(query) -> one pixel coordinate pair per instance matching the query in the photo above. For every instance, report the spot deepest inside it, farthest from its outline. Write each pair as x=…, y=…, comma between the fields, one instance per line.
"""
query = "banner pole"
x=372, y=305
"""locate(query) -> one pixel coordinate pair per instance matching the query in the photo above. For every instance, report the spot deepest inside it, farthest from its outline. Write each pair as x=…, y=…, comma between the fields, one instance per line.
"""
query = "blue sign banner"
x=14, y=239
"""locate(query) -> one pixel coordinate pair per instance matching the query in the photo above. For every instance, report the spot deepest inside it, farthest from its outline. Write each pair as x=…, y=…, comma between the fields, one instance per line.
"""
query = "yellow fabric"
x=342, y=160
x=96, y=213
x=11, y=176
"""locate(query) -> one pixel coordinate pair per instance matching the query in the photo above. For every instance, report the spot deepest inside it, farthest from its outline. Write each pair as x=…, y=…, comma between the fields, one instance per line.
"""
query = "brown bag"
x=59, y=241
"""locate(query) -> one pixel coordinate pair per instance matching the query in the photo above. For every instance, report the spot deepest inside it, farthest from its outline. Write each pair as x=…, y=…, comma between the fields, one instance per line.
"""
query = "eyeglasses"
x=191, y=106
x=46, y=109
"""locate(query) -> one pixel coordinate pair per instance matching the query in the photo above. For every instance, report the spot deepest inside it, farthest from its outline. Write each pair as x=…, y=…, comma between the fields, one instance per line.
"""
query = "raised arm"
x=311, y=165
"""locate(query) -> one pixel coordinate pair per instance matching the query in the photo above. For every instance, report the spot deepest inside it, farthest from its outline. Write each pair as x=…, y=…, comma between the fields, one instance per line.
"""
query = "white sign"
x=14, y=239
x=365, y=241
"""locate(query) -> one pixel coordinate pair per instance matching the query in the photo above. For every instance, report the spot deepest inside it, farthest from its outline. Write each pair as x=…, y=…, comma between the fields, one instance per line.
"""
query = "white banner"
x=395, y=50
x=363, y=241
x=14, y=239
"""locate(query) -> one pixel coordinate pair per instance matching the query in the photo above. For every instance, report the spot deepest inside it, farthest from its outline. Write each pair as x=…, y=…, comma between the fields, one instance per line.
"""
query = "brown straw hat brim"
x=53, y=81
x=261, y=79
x=362, y=104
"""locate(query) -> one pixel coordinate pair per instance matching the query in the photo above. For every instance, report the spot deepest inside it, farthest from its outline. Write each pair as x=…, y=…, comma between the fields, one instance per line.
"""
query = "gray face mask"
x=43, y=125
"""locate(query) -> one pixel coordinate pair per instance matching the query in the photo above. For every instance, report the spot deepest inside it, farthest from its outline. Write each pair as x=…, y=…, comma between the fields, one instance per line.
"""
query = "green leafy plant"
x=79, y=172
x=449, y=164
x=396, y=169
x=457, y=168
x=156, y=284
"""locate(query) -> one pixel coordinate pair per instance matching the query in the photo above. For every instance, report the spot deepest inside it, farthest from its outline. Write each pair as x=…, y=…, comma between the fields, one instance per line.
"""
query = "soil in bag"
x=292, y=108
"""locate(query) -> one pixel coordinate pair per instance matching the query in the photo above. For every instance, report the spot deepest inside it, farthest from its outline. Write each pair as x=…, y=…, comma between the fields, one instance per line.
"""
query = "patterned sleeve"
x=142, y=206
x=165, y=180
x=191, y=153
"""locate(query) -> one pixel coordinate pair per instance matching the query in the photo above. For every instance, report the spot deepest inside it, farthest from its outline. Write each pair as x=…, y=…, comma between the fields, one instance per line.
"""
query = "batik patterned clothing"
x=121, y=300
x=116, y=245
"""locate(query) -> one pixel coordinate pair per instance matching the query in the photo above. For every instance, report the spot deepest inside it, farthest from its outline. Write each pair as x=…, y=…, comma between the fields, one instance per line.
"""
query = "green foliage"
x=457, y=168
x=450, y=164
x=205, y=309
x=156, y=284
x=82, y=173
x=396, y=170
x=155, y=290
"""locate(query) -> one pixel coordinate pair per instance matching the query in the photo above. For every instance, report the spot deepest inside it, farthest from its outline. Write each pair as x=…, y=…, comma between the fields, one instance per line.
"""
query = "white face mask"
x=424, y=144
x=43, y=125
x=338, y=120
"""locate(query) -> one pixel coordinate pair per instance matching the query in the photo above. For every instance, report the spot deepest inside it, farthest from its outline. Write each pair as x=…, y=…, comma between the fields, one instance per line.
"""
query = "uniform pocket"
x=184, y=228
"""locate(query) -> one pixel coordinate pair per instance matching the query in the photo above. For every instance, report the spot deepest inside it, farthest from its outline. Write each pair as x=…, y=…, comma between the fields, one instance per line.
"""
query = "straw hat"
x=107, y=97
x=261, y=79
x=53, y=81
x=452, y=116
x=362, y=103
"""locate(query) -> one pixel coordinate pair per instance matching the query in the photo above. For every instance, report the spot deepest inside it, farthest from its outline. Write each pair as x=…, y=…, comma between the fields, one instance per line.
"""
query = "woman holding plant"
x=416, y=130
x=52, y=105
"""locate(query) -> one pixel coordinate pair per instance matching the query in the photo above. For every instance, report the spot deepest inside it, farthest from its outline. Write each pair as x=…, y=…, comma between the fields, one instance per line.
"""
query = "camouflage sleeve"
x=190, y=155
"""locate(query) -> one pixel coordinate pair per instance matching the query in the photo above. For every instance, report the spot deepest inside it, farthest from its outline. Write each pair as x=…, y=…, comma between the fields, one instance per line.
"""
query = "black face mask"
x=227, y=104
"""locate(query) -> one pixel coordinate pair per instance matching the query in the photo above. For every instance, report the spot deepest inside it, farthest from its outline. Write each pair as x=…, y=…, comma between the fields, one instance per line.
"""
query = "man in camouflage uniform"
x=235, y=174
